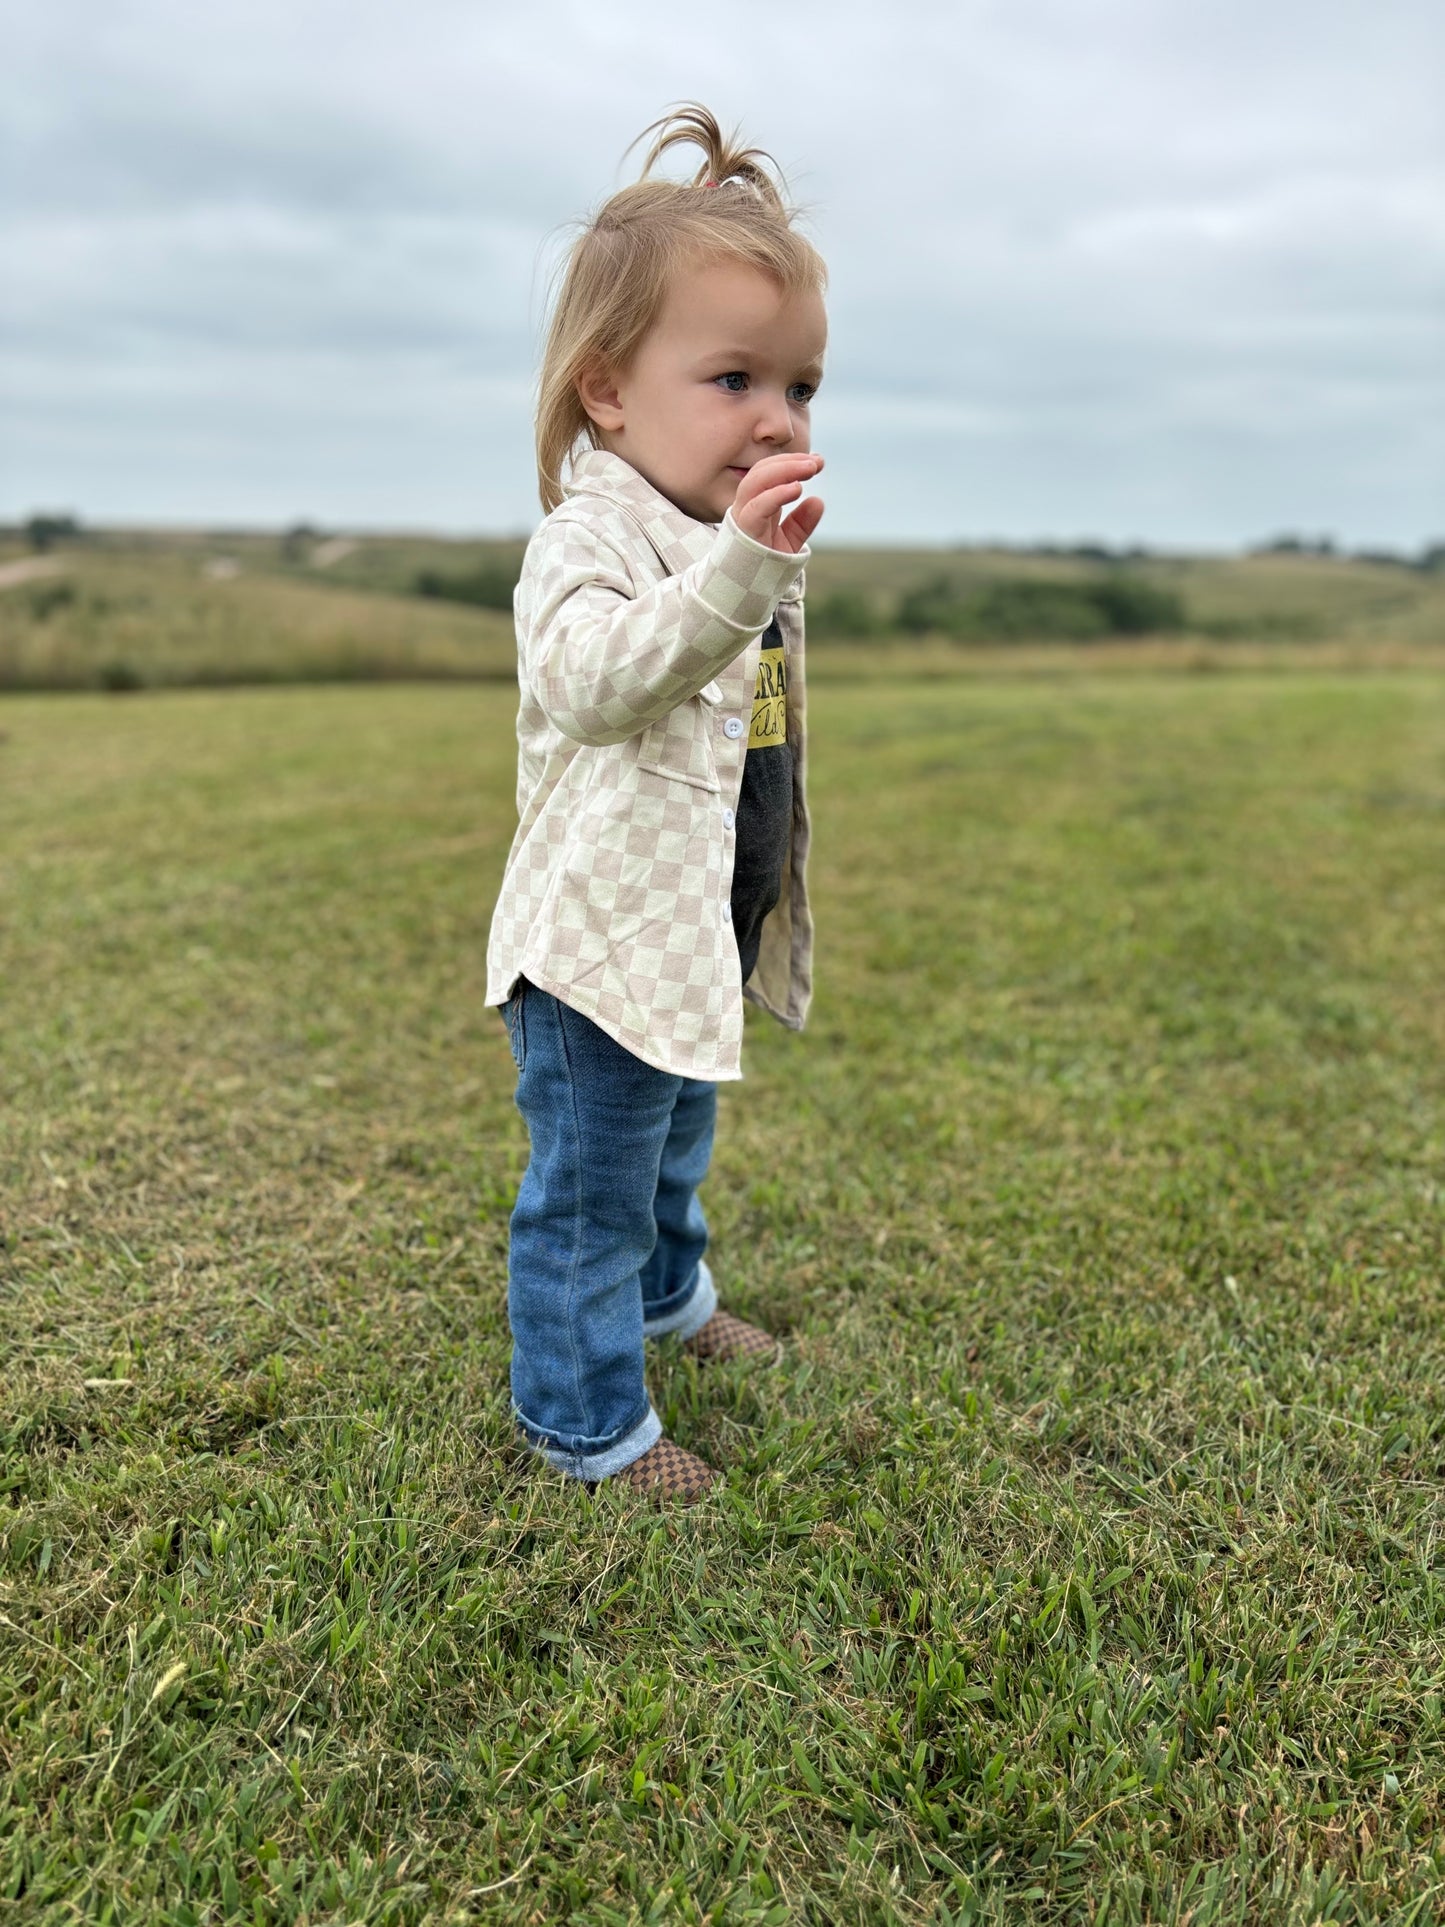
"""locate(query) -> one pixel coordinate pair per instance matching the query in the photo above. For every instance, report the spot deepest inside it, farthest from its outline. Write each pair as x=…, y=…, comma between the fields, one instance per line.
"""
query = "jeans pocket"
x=517, y=1027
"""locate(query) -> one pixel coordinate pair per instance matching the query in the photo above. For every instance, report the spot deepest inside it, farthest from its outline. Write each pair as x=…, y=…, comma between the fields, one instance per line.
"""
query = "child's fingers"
x=802, y=461
x=772, y=499
x=805, y=518
x=765, y=508
x=761, y=500
x=775, y=465
x=775, y=469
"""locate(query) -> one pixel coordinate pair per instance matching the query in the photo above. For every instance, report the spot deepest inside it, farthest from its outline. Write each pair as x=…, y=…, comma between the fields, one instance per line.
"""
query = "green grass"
x=1084, y=1563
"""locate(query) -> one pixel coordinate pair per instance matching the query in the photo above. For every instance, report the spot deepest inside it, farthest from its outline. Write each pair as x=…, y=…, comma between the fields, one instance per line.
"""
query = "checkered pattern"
x=638, y=635
x=666, y=1472
x=726, y=1336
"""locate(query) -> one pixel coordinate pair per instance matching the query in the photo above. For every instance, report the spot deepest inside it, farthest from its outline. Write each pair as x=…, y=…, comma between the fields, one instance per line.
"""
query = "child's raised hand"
x=765, y=491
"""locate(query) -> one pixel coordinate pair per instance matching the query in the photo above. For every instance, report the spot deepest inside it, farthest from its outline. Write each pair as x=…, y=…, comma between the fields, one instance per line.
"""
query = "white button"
x=727, y=913
x=733, y=727
x=728, y=819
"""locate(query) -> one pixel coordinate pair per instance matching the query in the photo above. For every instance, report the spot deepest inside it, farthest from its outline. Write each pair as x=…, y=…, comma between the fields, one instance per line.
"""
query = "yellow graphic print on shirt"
x=770, y=702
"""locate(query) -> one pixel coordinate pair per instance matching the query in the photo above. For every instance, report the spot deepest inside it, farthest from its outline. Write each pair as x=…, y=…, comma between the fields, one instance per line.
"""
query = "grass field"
x=1085, y=1561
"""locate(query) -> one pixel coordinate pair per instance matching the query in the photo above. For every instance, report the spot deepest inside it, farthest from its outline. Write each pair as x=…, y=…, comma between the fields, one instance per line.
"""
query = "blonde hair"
x=617, y=273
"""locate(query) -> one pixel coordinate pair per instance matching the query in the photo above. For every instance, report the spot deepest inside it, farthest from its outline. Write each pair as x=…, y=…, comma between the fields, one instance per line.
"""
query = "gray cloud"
x=1105, y=267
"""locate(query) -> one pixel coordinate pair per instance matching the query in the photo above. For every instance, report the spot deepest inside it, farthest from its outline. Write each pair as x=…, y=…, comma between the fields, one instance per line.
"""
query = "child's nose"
x=775, y=422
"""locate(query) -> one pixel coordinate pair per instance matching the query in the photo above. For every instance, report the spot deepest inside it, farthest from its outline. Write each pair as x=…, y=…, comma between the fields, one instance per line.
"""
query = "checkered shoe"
x=665, y=1472
x=724, y=1336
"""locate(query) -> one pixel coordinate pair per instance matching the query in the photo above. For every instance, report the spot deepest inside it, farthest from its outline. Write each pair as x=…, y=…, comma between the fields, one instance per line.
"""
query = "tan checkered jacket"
x=638, y=637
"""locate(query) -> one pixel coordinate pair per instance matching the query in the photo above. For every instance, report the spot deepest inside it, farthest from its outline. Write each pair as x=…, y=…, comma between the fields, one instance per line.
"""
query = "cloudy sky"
x=1165, y=270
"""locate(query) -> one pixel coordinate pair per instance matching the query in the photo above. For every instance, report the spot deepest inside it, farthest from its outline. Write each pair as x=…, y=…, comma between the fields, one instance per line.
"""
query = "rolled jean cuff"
x=592, y=1466
x=691, y=1315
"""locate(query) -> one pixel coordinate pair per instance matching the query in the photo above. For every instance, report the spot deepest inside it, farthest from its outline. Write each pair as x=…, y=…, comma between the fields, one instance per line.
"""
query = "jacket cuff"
x=743, y=580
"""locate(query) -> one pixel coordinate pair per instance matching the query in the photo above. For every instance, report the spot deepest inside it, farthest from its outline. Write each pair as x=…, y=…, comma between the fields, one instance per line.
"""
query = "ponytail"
x=725, y=162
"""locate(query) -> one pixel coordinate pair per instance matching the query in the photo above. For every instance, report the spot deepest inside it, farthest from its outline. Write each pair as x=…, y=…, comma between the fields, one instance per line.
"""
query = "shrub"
x=120, y=677
x=46, y=597
x=1014, y=608
x=1135, y=607
x=932, y=605
x=845, y=615
x=297, y=542
x=46, y=530
x=484, y=588
x=1010, y=611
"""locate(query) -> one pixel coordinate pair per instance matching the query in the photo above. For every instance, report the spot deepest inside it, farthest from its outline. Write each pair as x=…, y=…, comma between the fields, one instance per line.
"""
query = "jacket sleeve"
x=603, y=661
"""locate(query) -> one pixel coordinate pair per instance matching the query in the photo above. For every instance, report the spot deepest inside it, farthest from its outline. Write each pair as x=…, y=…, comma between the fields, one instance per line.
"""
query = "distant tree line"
x=1090, y=551
x=1429, y=559
x=1004, y=609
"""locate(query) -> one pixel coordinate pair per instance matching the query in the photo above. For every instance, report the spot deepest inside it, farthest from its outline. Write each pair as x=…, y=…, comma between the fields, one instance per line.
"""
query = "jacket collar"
x=678, y=538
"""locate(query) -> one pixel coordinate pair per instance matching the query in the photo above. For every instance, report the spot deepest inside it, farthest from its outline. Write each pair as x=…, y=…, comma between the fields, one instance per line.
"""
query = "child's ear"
x=598, y=392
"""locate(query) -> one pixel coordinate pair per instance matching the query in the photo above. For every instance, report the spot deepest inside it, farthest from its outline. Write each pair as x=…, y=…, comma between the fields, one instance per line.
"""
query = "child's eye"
x=736, y=375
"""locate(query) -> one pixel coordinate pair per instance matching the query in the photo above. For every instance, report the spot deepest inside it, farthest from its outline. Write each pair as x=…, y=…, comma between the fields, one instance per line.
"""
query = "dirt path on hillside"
x=12, y=574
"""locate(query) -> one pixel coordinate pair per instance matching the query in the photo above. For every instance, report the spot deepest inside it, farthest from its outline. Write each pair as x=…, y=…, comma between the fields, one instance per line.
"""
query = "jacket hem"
x=565, y=995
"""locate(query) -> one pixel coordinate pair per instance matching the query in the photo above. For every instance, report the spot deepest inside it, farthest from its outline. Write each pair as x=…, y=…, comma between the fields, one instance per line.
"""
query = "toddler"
x=658, y=872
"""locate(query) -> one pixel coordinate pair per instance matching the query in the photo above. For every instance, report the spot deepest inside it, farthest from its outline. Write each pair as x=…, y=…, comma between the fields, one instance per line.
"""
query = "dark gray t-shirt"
x=765, y=803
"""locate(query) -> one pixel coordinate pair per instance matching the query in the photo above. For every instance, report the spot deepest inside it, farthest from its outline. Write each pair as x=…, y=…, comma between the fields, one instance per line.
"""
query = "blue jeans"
x=607, y=1235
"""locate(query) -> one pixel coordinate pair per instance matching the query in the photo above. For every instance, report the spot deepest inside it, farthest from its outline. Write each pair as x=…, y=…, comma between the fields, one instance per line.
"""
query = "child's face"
x=723, y=379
